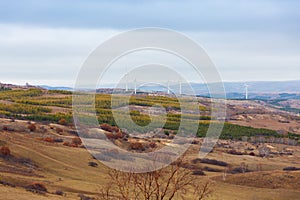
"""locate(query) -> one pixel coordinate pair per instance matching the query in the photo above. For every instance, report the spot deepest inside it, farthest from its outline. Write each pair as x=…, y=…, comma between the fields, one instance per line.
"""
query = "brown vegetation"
x=32, y=127
x=135, y=145
x=62, y=121
x=162, y=184
x=5, y=151
x=37, y=188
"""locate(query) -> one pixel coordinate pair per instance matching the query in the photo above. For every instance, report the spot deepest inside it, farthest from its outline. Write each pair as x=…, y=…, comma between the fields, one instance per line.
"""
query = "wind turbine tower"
x=126, y=79
x=246, y=91
x=135, y=86
x=180, y=88
x=168, y=87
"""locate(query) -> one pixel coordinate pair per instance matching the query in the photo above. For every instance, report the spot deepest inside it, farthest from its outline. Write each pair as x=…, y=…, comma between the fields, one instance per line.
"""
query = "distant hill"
x=256, y=87
x=236, y=90
x=7, y=86
x=47, y=87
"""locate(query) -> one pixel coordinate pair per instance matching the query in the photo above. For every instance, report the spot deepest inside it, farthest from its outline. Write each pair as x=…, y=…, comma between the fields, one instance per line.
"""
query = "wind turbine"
x=180, y=88
x=126, y=82
x=135, y=86
x=246, y=91
x=168, y=87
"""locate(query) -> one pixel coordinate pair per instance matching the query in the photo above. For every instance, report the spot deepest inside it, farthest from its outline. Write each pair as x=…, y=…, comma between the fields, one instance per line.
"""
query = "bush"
x=37, y=188
x=83, y=197
x=59, y=192
x=5, y=151
x=214, y=162
x=152, y=145
x=234, y=152
x=51, y=140
x=7, y=184
x=109, y=128
x=199, y=173
x=251, y=154
x=59, y=130
x=239, y=170
x=166, y=132
x=76, y=141
x=210, y=169
x=62, y=121
x=66, y=144
x=137, y=146
x=32, y=127
x=58, y=140
x=115, y=135
x=93, y=164
x=291, y=169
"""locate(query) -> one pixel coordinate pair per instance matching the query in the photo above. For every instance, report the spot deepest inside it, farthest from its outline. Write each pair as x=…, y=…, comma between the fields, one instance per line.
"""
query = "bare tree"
x=169, y=183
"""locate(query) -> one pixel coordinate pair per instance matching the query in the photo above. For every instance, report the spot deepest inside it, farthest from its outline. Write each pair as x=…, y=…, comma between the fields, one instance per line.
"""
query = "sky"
x=47, y=41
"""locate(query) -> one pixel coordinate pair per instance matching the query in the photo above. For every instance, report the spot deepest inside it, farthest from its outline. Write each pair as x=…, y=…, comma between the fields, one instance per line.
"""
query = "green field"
x=44, y=106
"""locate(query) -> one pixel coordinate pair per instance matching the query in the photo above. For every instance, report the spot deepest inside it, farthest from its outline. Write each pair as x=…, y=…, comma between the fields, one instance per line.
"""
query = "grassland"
x=36, y=156
x=52, y=106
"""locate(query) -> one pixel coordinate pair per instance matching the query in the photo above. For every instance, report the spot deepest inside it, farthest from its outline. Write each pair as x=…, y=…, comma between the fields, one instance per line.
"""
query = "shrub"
x=214, y=162
x=32, y=127
x=110, y=135
x=195, y=142
x=59, y=192
x=58, y=140
x=120, y=135
x=5, y=151
x=93, y=164
x=51, y=140
x=291, y=169
x=210, y=169
x=83, y=197
x=62, y=121
x=7, y=184
x=66, y=144
x=73, y=145
x=59, y=130
x=109, y=128
x=199, y=173
x=137, y=146
x=234, y=152
x=166, y=132
x=115, y=135
x=251, y=154
x=5, y=128
x=152, y=145
x=76, y=141
x=37, y=188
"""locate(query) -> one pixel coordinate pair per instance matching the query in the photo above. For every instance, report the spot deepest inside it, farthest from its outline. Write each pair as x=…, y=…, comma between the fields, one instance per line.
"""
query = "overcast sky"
x=46, y=41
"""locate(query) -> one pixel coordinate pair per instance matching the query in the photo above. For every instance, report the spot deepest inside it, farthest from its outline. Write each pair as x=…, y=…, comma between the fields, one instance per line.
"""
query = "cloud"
x=180, y=15
x=45, y=41
x=55, y=55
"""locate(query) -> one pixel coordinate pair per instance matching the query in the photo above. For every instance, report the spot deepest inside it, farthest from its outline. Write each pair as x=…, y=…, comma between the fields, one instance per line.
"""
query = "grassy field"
x=52, y=106
x=65, y=168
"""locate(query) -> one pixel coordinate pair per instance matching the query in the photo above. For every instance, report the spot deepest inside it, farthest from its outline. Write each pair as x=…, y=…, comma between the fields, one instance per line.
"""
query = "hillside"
x=65, y=168
x=258, y=151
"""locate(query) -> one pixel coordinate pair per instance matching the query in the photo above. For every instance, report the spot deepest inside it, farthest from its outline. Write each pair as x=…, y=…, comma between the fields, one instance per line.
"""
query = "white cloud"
x=54, y=55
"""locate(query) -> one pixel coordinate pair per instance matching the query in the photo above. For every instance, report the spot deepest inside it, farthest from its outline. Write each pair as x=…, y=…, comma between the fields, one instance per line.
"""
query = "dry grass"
x=63, y=168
